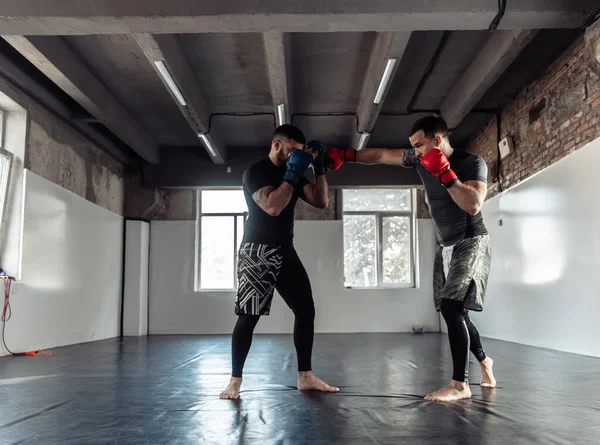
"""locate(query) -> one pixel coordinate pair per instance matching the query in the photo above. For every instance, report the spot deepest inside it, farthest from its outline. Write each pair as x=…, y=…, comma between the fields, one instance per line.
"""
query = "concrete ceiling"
x=120, y=64
x=234, y=62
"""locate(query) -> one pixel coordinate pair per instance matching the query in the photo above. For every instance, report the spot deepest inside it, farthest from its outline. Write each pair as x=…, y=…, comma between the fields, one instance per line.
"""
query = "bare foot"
x=451, y=393
x=233, y=389
x=487, y=375
x=307, y=381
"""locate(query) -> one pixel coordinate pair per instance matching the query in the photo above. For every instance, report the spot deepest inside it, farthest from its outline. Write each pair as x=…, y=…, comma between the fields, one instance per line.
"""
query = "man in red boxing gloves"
x=456, y=185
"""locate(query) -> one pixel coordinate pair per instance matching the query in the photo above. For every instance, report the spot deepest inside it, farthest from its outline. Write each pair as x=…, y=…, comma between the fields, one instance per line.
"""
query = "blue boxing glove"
x=320, y=149
x=296, y=165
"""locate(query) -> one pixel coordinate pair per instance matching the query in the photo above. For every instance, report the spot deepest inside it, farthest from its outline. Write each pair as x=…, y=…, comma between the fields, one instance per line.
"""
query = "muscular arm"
x=273, y=201
x=388, y=156
x=317, y=194
x=469, y=195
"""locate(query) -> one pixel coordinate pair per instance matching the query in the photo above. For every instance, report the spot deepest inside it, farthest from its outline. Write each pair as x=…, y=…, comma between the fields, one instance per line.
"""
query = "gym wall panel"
x=135, y=295
x=176, y=309
x=71, y=270
x=544, y=282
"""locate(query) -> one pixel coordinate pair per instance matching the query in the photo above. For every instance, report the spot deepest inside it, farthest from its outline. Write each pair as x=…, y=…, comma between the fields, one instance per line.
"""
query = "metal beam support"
x=277, y=61
x=71, y=17
x=58, y=62
x=166, y=49
x=501, y=49
x=387, y=46
x=18, y=83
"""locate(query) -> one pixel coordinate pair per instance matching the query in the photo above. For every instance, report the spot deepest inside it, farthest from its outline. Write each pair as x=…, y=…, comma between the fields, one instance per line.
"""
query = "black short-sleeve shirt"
x=260, y=226
x=452, y=223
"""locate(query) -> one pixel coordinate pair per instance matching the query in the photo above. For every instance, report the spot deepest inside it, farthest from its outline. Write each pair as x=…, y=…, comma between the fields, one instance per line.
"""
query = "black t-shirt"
x=452, y=223
x=260, y=226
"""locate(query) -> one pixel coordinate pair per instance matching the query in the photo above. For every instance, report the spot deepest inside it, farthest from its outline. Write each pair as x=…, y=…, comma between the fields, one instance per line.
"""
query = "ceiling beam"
x=60, y=64
x=501, y=49
x=277, y=56
x=72, y=17
x=388, y=46
x=28, y=93
x=166, y=49
x=17, y=82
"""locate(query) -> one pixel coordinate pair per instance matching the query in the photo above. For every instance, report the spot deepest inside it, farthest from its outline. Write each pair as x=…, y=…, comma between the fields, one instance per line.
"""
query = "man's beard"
x=281, y=157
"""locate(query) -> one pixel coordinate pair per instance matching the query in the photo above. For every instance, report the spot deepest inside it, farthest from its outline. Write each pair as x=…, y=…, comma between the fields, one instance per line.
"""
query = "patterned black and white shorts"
x=461, y=271
x=259, y=266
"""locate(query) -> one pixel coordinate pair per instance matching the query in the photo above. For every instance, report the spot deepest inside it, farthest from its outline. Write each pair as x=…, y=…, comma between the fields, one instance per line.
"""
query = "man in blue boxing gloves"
x=267, y=258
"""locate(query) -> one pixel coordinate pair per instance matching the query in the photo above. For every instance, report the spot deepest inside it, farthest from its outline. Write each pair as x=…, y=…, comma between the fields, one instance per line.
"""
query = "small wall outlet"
x=506, y=147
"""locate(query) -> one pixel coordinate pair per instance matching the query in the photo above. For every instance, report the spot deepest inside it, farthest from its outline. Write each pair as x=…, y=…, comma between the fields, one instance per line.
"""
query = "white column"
x=135, y=306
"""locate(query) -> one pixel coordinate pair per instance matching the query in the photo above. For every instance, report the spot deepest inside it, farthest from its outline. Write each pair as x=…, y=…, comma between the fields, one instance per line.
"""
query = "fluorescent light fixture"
x=281, y=114
x=385, y=79
x=208, y=144
x=162, y=69
x=362, y=142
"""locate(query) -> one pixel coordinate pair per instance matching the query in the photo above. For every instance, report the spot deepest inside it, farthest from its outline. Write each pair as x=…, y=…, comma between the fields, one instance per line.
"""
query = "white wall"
x=71, y=270
x=544, y=287
x=175, y=308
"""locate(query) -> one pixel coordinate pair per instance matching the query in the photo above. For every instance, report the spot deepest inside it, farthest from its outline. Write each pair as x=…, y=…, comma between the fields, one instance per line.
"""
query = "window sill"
x=399, y=286
x=215, y=291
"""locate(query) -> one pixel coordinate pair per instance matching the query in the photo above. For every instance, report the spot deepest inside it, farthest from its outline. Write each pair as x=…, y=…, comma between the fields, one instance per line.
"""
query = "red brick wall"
x=569, y=120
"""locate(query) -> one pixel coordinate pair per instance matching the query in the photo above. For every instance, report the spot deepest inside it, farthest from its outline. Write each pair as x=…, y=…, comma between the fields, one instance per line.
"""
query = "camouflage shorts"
x=460, y=272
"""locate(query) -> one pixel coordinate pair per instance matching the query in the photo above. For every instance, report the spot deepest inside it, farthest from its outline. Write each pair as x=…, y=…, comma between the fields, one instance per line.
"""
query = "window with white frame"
x=221, y=218
x=6, y=158
x=379, y=241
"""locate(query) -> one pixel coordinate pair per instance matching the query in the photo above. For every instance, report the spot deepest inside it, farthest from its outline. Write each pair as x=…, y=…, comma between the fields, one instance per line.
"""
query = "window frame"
x=379, y=217
x=198, y=241
x=2, y=125
x=5, y=185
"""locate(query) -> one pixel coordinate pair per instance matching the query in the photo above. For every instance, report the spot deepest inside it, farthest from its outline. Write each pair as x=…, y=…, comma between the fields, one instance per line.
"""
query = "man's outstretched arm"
x=387, y=156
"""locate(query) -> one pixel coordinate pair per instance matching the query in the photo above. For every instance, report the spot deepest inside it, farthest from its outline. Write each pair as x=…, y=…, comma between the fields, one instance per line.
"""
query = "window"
x=220, y=228
x=379, y=244
x=6, y=158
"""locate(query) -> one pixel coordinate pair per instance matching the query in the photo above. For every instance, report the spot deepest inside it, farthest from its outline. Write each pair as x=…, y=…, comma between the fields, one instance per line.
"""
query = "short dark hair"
x=288, y=131
x=430, y=125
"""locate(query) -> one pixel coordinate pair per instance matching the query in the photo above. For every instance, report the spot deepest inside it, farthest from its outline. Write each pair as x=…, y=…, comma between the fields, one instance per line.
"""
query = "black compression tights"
x=294, y=287
x=463, y=336
x=242, y=340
